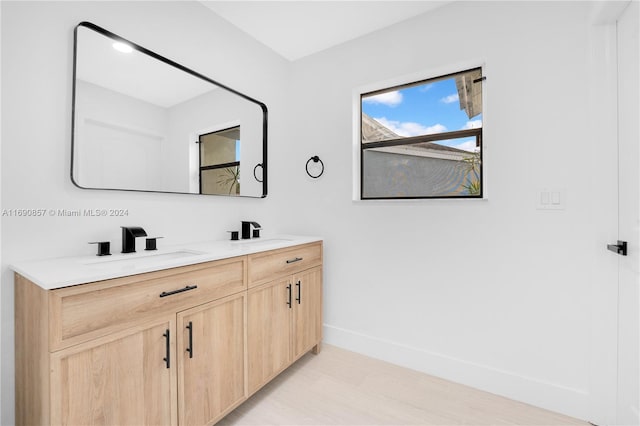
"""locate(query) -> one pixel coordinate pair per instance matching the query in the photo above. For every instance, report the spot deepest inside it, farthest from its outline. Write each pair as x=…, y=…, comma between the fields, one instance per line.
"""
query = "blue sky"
x=424, y=109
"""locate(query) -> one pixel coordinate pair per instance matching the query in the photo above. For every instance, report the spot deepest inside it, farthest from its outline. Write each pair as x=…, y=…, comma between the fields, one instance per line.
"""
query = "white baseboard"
x=561, y=399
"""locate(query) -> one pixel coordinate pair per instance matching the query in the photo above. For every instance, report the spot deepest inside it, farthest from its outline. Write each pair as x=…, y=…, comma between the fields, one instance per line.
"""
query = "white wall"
x=37, y=40
x=491, y=293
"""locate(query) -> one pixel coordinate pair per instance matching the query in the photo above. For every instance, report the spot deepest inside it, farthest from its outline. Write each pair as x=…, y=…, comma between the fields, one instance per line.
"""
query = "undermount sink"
x=142, y=259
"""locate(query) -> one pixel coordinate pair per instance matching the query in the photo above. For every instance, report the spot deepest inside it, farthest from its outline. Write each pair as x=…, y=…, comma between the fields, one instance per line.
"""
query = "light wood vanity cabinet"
x=307, y=312
x=179, y=346
x=285, y=314
x=269, y=329
x=266, y=266
x=211, y=360
x=82, y=312
x=119, y=379
x=112, y=352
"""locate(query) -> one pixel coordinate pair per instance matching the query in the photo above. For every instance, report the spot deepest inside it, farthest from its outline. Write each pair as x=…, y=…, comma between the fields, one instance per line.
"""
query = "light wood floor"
x=338, y=387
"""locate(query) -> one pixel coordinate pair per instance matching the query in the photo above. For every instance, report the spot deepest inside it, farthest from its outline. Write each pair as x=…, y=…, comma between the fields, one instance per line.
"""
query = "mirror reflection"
x=145, y=123
x=220, y=162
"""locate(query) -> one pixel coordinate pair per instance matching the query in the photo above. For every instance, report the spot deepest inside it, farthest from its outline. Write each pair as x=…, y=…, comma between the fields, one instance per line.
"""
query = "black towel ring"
x=315, y=159
x=254, y=171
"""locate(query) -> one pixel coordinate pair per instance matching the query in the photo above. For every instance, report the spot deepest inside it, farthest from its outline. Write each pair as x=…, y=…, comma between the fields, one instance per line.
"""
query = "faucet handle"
x=234, y=235
x=104, y=248
x=150, y=243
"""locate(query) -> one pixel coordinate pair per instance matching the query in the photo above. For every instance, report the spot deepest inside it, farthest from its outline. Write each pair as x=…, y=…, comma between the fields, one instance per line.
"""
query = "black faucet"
x=246, y=229
x=129, y=234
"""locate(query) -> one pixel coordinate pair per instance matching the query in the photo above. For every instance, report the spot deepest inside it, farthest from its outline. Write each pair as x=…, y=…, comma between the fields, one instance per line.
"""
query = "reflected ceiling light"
x=122, y=47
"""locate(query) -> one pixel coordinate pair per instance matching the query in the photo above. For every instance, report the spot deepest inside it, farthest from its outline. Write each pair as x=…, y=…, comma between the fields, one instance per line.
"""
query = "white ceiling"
x=295, y=29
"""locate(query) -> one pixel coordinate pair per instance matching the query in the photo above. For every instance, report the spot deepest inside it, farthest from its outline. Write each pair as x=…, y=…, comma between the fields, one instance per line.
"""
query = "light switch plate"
x=551, y=199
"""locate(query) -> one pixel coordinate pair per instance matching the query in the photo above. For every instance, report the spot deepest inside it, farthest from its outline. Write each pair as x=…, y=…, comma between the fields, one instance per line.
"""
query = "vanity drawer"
x=270, y=265
x=87, y=311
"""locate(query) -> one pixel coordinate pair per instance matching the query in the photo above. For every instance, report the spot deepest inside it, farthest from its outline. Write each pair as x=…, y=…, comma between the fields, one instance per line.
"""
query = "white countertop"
x=65, y=271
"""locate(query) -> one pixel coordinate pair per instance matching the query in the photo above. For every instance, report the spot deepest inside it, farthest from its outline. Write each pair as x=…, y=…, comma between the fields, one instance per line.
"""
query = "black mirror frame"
x=167, y=61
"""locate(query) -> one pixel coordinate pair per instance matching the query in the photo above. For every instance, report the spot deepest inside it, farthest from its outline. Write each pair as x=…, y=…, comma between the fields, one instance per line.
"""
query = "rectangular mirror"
x=142, y=122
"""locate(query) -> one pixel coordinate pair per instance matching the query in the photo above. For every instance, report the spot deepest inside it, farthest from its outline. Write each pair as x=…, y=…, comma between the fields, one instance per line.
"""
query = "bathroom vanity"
x=178, y=337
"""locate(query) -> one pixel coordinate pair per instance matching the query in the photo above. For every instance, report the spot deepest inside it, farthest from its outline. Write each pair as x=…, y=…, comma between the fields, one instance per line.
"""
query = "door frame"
x=603, y=348
x=628, y=43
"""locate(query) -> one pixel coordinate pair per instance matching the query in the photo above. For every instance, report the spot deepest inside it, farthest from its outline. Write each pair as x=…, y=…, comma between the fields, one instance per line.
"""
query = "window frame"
x=456, y=134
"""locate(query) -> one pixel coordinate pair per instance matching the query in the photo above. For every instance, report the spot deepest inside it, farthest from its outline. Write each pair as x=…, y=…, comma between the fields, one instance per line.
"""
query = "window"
x=423, y=139
x=220, y=162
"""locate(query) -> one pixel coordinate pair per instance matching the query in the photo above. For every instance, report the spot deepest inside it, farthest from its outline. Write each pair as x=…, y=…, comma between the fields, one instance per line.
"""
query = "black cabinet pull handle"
x=299, y=297
x=297, y=259
x=289, y=300
x=190, y=348
x=167, y=359
x=180, y=290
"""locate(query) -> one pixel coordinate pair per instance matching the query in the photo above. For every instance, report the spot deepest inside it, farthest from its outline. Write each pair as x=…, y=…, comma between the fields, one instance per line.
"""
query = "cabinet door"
x=307, y=320
x=211, y=360
x=269, y=331
x=124, y=378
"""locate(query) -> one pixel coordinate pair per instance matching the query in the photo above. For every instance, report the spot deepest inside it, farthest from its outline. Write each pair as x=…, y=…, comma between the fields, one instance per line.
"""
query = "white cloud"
x=450, y=99
x=469, y=145
x=473, y=124
x=409, y=128
x=389, y=99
